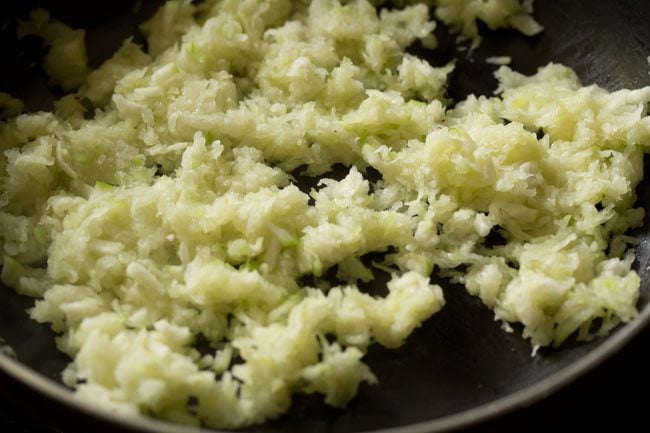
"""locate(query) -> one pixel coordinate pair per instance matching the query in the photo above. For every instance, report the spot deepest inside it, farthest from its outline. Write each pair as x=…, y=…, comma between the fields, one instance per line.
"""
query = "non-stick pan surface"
x=460, y=367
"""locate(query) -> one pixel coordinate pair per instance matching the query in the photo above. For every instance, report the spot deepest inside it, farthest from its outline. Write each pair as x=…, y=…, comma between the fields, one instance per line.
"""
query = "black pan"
x=460, y=368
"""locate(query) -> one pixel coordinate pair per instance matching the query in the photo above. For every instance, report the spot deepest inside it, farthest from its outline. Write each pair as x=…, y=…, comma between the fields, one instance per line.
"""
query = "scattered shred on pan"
x=499, y=60
x=188, y=275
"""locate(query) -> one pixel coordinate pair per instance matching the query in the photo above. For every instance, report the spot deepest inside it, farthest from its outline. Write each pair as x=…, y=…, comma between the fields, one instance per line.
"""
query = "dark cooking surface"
x=604, y=399
x=460, y=358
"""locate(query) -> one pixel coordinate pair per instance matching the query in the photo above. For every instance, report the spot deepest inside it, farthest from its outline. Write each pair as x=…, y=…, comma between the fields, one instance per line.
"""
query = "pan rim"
x=466, y=418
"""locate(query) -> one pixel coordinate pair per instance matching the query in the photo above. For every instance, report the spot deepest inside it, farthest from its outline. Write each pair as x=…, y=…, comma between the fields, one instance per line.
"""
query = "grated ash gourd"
x=171, y=215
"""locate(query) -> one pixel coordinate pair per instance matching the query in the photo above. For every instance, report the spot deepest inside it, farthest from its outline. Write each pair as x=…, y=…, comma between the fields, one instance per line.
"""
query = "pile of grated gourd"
x=169, y=217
